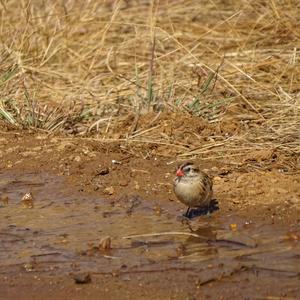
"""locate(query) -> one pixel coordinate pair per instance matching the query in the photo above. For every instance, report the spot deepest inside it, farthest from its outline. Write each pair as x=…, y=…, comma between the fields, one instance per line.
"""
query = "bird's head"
x=187, y=169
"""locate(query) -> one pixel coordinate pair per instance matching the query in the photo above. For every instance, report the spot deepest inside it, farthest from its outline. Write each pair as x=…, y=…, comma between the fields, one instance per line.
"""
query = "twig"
x=165, y=233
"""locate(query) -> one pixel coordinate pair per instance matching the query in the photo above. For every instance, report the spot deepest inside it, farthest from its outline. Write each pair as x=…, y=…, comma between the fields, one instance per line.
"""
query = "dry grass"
x=224, y=61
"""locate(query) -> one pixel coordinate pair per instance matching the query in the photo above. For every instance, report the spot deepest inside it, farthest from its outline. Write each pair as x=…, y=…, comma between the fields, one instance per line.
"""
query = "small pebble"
x=27, y=200
x=81, y=278
x=233, y=227
x=115, y=162
x=109, y=190
x=102, y=171
x=105, y=243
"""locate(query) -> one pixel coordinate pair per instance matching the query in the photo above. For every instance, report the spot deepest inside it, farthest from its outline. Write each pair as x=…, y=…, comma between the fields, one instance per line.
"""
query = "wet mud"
x=66, y=233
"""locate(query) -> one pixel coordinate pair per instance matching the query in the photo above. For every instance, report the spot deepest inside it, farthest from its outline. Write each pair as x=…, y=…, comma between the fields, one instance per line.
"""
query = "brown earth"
x=87, y=192
x=136, y=87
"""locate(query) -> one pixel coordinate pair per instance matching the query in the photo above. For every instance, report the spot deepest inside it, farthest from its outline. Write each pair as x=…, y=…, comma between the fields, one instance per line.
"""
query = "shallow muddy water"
x=63, y=231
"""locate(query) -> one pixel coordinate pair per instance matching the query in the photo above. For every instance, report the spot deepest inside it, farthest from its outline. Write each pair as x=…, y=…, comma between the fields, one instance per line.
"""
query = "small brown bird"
x=193, y=188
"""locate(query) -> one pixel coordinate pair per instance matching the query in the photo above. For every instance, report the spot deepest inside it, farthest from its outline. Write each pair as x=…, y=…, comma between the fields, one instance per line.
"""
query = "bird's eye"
x=188, y=169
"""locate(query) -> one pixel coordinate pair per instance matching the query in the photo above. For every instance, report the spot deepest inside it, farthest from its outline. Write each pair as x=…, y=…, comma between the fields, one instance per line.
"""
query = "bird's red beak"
x=179, y=173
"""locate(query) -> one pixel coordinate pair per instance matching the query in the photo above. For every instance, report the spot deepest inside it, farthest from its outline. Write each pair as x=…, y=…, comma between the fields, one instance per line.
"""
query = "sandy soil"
x=86, y=191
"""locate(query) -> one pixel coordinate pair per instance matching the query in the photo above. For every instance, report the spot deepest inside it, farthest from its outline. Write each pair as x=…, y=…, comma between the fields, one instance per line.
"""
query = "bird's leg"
x=187, y=212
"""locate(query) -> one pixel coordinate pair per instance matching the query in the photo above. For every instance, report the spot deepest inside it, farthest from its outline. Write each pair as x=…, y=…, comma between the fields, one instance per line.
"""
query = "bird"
x=194, y=188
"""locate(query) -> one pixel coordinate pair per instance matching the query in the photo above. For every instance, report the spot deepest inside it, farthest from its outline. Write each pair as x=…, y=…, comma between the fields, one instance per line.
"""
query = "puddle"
x=62, y=233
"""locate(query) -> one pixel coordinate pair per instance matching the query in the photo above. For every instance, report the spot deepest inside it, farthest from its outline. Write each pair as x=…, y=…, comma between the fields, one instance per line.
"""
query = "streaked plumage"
x=192, y=186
